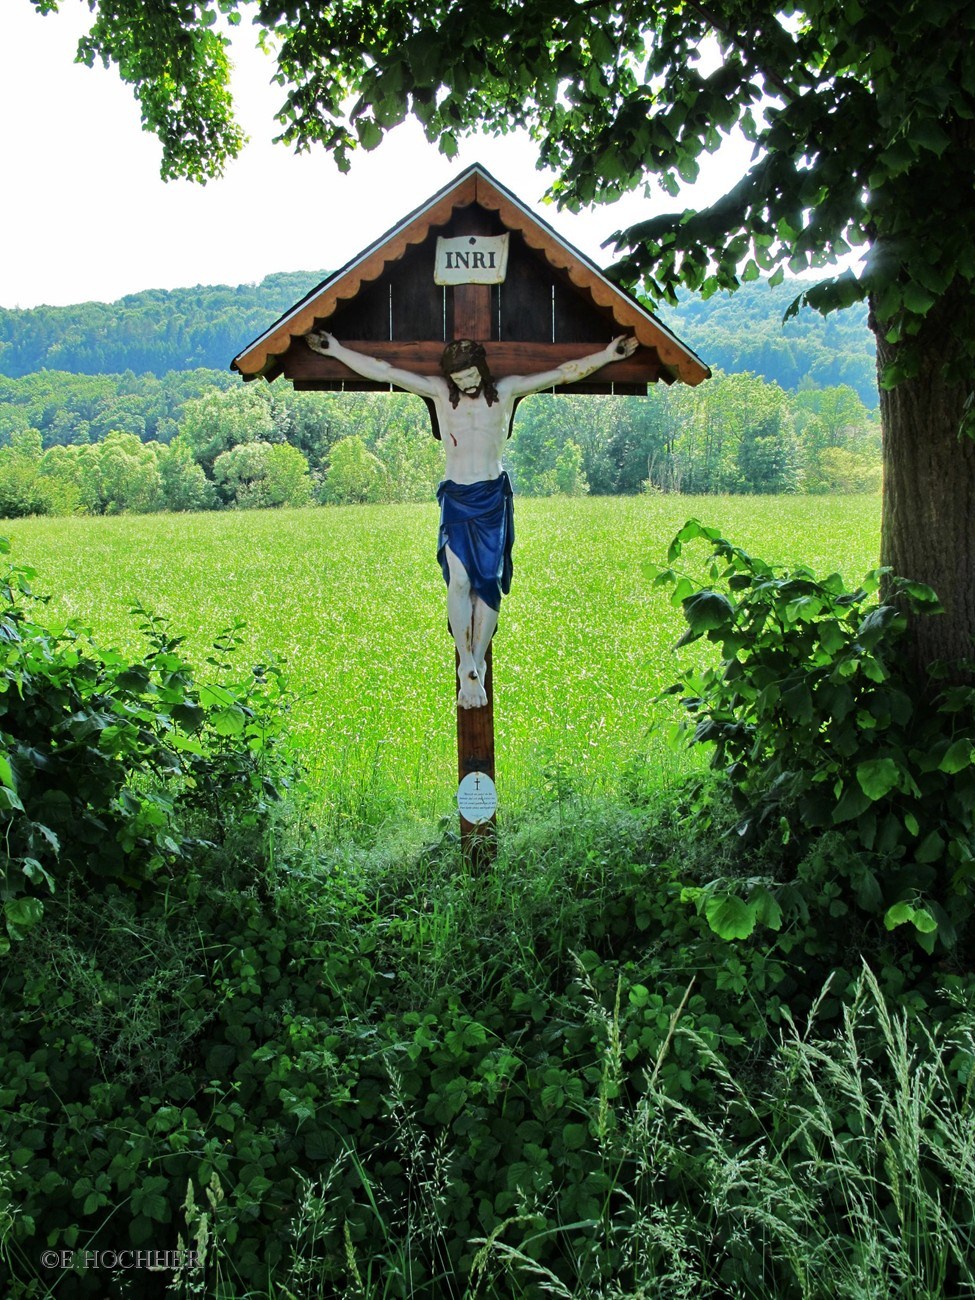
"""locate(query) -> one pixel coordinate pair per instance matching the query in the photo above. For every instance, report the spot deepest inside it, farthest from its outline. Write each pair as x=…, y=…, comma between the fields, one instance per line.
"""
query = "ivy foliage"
x=825, y=742
x=113, y=770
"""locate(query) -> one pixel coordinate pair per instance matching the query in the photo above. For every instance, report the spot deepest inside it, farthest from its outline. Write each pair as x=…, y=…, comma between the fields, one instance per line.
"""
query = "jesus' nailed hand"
x=476, y=525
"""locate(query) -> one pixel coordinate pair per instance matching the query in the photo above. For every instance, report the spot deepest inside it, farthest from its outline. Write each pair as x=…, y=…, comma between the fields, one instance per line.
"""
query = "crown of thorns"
x=462, y=354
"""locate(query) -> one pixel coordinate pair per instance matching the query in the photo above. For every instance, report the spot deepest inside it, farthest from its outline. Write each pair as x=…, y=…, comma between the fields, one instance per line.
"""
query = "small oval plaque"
x=477, y=798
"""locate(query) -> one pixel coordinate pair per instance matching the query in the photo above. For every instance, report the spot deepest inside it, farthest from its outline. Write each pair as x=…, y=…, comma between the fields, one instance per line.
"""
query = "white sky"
x=86, y=216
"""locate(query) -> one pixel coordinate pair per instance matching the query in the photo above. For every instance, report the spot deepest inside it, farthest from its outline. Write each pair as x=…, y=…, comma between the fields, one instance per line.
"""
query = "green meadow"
x=353, y=600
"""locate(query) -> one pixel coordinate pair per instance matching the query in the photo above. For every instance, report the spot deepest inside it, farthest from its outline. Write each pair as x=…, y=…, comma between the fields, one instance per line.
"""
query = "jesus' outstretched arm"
x=327, y=345
x=569, y=372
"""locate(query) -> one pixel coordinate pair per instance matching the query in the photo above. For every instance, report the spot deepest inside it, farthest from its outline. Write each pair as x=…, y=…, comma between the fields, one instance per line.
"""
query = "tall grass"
x=835, y=1162
x=858, y=1182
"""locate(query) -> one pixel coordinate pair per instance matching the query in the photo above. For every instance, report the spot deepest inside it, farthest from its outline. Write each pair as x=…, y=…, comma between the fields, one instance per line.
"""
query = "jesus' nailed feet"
x=472, y=694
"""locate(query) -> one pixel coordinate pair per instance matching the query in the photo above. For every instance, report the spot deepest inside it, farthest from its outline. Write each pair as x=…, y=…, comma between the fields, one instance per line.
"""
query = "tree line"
x=185, y=329
x=201, y=440
x=746, y=331
x=151, y=332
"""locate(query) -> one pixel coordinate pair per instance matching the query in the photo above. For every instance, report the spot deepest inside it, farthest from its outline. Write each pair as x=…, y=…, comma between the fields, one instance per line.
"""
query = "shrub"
x=107, y=764
x=824, y=740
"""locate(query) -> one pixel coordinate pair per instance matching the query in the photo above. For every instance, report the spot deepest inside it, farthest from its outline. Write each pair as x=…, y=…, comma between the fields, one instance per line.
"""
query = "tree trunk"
x=928, y=524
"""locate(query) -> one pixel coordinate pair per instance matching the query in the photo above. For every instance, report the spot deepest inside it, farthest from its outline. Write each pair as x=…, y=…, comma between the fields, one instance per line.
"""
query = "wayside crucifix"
x=472, y=302
x=476, y=514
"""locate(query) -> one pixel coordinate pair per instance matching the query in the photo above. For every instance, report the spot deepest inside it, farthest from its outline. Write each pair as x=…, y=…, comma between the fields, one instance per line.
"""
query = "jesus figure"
x=476, y=515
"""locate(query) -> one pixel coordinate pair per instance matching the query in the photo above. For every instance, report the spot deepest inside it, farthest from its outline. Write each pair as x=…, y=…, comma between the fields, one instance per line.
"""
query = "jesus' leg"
x=485, y=623
x=460, y=613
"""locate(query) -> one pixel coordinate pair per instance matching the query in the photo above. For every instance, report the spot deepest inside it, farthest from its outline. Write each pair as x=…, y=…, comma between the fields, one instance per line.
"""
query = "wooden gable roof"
x=553, y=305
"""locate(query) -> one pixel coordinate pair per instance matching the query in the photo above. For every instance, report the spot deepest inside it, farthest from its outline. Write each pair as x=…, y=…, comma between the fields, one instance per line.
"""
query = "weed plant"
x=372, y=1073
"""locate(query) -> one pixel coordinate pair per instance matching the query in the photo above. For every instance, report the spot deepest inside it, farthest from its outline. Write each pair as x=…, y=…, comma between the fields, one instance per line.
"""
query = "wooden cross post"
x=475, y=727
x=475, y=758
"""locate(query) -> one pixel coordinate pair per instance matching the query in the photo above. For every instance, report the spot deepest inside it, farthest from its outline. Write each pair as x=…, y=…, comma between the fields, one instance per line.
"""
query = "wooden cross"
x=475, y=727
x=548, y=305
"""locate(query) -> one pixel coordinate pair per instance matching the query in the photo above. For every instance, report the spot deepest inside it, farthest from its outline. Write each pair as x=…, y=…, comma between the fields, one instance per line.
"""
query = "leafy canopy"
x=170, y=52
x=861, y=116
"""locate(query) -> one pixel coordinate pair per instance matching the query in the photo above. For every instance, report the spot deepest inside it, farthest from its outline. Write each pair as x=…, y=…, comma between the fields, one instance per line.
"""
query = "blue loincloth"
x=477, y=522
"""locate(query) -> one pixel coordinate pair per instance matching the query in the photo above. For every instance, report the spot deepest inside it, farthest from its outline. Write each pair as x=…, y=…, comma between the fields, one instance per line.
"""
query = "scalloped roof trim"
x=473, y=186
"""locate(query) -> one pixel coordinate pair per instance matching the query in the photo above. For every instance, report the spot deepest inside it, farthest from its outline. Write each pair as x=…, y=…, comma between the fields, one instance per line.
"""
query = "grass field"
x=353, y=599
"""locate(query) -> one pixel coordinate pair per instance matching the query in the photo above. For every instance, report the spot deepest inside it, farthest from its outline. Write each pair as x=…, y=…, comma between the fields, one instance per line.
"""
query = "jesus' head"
x=464, y=366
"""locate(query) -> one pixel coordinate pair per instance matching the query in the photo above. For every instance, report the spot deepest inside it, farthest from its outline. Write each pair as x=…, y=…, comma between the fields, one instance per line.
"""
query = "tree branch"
x=747, y=53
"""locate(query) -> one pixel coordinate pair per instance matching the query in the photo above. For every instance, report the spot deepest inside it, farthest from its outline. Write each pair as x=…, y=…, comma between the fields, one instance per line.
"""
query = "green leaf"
x=924, y=922
x=228, y=722
x=767, y=910
x=9, y=800
x=729, y=917
x=705, y=611
x=797, y=702
x=23, y=912
x=918, y=299
x=877, y=777
x=931, y=848
x=831, y=636
x=319, y=1145
x=921, y=595
x=868, y=892
x=691, y=529
x=216, y=695
x=852, y=803
x=877, y=623
x=926, y=941
x=957, y=756
x=897, y=915
x=930, y=134
x=369, y=134
x=575, y=1136
x=552, y=1095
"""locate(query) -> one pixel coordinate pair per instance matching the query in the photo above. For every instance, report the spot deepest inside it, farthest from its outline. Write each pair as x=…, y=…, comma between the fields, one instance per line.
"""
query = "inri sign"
x=471, y=259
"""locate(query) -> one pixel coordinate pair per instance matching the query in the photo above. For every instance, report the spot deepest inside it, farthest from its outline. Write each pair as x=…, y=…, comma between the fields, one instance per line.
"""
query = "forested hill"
x=744, y=331
x=152, y=332
x=184, y=329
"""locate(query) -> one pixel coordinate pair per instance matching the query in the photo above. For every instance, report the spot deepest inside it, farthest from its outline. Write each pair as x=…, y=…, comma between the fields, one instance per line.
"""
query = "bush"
x=825, y=742
x=337, y=1072
x=350, y=1067
x=107, y=766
